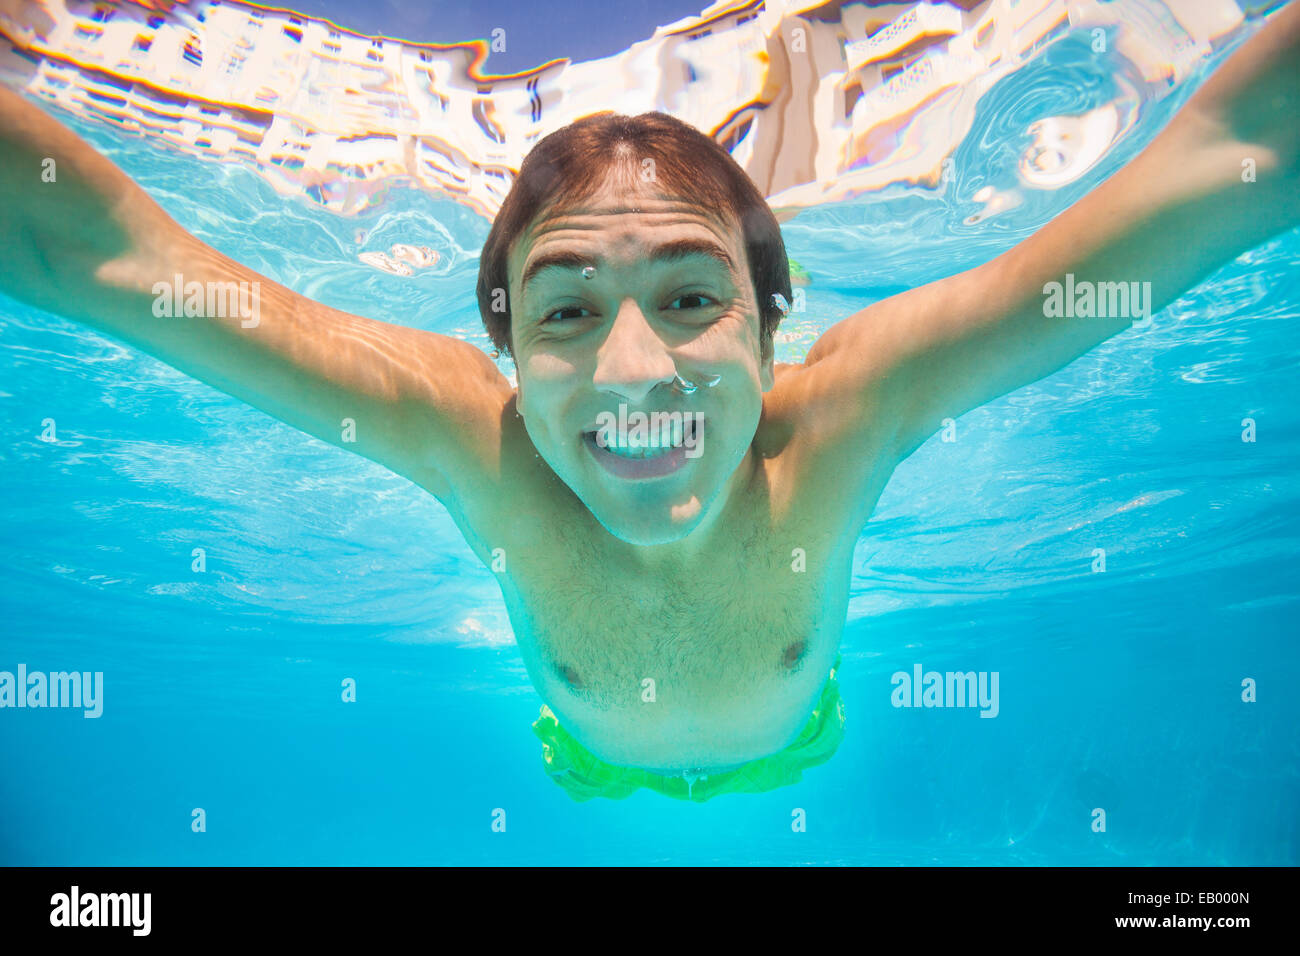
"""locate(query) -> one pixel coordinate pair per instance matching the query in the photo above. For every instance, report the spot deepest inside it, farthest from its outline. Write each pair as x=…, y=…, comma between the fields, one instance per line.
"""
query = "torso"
x=738, y=647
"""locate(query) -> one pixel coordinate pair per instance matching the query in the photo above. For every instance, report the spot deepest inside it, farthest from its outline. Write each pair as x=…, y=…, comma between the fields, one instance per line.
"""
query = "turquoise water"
x=1119, y=690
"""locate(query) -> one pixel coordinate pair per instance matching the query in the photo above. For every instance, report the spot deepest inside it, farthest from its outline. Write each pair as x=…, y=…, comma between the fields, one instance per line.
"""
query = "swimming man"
x=708, y=555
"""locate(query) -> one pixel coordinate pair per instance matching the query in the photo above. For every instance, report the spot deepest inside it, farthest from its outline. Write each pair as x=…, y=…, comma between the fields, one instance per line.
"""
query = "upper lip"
x=696, y=417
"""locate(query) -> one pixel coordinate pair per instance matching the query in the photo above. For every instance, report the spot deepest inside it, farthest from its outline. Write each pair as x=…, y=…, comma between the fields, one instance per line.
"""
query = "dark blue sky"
x=535, y=31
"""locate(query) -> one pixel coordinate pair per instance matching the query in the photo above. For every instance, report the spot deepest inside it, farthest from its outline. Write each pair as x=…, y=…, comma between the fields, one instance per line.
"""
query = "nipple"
x=690, y=388
x=779, y=303
x=588, y=272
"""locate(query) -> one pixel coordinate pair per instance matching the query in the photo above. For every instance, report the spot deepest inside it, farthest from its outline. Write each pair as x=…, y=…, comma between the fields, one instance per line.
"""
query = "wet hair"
x=573, y=163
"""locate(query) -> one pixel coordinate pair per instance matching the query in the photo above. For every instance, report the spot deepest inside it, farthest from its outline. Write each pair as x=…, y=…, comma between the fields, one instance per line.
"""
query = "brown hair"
x=572, y=163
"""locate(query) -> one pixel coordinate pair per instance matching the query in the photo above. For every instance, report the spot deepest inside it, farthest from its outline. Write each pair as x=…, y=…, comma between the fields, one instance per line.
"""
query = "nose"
x=632, y=360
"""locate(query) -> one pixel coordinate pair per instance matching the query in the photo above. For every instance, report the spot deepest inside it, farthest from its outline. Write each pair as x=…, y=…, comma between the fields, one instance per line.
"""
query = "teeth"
x=646, y=442
x=637, y=452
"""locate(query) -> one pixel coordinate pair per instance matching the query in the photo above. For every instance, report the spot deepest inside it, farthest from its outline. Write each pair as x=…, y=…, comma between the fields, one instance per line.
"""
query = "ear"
x=766, y=368
x=519, y=382
x=519, y=394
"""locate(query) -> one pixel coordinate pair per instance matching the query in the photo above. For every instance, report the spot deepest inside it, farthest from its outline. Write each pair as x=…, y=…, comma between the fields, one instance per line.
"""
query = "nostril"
x=630, y=388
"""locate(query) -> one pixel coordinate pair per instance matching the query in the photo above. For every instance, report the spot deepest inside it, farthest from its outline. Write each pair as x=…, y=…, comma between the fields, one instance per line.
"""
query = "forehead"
x=621, y=219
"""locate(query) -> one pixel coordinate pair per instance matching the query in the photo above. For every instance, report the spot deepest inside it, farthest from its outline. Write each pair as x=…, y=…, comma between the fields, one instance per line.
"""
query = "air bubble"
x=692, y=777
x=588, y=272
x=690, y=388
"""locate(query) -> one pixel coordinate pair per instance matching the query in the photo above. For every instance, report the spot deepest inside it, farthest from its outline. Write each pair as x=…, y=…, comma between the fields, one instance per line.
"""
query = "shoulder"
x=822, y=448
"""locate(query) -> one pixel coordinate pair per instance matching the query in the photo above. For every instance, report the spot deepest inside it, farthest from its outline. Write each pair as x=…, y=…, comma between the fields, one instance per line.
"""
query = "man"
x=677, y=590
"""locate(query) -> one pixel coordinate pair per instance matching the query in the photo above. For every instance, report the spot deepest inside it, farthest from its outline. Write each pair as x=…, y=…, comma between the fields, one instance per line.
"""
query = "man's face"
x=600, y=336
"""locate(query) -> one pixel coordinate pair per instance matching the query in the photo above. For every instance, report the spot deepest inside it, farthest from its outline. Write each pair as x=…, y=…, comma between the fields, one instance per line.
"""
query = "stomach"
x=677, y=677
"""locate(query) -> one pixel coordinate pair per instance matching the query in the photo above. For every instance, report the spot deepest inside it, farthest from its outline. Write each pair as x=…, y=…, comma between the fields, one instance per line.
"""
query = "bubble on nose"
x=588, y=272
x=690, y=388
x=779, y=303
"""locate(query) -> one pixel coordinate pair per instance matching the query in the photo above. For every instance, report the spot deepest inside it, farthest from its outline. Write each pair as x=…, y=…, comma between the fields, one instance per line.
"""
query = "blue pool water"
x=1119, y=690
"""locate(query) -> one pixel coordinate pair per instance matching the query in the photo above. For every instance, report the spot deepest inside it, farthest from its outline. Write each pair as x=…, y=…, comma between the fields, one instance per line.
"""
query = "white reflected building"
x=817, y=101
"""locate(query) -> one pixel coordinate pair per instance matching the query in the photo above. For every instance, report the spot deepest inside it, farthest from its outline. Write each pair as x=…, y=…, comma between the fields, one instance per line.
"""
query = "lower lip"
x=635, y=469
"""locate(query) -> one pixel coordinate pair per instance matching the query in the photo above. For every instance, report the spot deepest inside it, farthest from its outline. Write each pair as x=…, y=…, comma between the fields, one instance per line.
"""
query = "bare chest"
x=764, y=611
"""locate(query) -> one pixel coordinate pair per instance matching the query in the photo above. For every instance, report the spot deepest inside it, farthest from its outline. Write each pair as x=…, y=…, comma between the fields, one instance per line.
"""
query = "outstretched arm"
x=91, y=245
x=1176, y=212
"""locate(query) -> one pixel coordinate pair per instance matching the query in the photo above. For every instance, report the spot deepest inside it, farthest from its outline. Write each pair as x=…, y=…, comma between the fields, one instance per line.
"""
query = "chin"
x=669, y=523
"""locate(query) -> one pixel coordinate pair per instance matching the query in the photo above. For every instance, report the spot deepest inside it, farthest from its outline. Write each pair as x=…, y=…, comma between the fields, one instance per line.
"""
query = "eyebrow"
x=673, y=251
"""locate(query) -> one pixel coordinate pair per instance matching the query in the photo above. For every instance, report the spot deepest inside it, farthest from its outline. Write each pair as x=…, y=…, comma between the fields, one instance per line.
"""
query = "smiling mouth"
x=629, y=457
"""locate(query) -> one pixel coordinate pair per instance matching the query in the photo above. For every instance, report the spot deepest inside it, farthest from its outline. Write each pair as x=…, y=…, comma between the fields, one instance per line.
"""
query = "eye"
x=559, y=314
x=704, y=300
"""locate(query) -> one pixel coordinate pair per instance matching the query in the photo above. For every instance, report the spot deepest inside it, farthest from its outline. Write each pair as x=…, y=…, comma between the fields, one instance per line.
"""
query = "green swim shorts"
x=584, y=775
